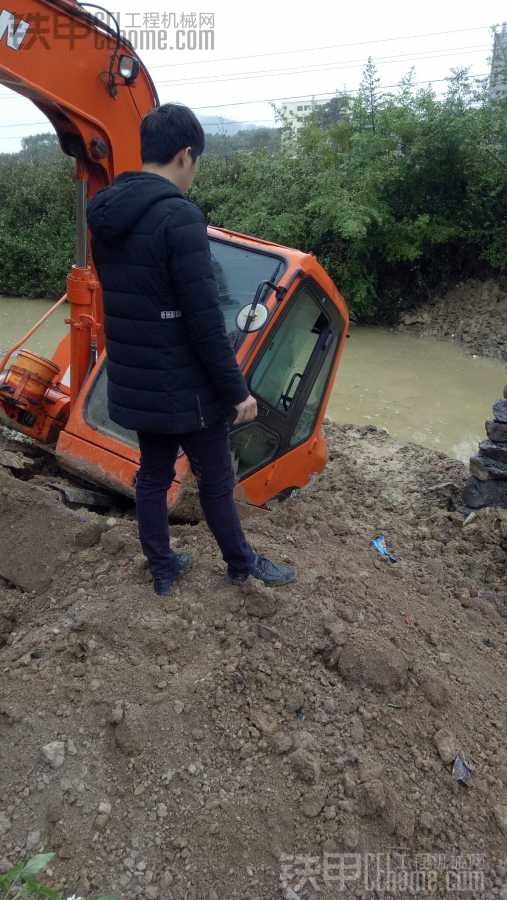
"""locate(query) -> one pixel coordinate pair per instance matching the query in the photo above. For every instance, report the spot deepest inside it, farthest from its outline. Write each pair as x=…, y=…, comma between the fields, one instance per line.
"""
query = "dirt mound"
x=240, y=742
x=473, y=313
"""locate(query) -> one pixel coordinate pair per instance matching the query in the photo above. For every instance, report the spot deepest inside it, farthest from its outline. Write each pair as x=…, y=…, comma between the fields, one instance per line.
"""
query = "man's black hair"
x=166, y=130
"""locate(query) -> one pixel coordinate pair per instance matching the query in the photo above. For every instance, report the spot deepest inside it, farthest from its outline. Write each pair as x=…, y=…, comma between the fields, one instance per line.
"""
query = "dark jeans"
x=209, y=456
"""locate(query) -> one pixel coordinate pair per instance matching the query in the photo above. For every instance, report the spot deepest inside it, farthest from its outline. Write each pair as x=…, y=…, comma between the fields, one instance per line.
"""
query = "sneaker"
x=164, y=586
x=266, y=571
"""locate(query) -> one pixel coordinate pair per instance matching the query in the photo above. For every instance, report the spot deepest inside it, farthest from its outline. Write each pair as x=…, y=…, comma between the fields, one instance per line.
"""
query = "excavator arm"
x=93, y=88
x=69, y=64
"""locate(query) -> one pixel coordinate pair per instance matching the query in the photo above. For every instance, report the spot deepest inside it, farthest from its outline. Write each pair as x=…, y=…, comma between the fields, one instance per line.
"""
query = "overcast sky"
x=266, y=52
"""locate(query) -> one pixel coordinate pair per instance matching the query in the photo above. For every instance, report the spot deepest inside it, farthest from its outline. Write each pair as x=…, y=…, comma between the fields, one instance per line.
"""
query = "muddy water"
x=420, y=389
x=18, y=315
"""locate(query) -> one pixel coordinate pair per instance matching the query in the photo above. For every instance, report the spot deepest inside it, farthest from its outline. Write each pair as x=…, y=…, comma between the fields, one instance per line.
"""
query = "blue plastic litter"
x=462, y=770
x=379, y=544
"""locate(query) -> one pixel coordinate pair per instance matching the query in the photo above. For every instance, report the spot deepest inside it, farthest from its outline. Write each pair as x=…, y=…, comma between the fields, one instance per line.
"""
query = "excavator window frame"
x=272, y=420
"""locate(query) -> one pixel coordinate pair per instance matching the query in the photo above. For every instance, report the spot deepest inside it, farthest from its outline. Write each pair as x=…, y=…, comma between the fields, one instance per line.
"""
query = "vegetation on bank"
x=399, y=195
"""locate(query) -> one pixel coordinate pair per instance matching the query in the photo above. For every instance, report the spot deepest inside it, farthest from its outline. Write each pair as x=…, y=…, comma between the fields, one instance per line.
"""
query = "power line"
x=22, y=124
x=307, y=50
x=325, y=67
x=427, y=81
x=405, y=37
x=292, y=97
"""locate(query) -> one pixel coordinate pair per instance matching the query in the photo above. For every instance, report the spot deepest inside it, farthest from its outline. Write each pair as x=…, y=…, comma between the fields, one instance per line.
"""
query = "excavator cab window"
x=238, y=271
x=289, y=379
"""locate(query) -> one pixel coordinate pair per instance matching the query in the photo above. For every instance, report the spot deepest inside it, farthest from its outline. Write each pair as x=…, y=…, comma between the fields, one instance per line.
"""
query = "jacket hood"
x=115, y=209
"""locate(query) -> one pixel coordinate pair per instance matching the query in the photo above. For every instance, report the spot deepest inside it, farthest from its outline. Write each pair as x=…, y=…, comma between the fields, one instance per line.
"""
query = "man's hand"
x=246, y=411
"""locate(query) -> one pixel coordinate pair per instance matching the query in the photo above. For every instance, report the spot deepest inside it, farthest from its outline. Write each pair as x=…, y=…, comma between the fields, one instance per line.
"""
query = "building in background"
x=498, y=74
x=294, y=112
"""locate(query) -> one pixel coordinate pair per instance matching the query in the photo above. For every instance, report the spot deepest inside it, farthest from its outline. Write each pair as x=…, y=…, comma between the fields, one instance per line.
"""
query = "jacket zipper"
x=201, y=417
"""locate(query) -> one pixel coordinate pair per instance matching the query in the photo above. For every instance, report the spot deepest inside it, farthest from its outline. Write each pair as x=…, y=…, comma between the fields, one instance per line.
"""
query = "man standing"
x=172, y=374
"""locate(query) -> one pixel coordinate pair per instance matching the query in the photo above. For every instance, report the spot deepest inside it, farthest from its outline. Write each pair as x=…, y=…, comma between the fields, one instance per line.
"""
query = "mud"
x=473, y=313
x=192, y=747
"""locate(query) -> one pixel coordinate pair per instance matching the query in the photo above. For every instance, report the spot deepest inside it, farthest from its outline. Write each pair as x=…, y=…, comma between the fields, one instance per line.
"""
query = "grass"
x=22, y=881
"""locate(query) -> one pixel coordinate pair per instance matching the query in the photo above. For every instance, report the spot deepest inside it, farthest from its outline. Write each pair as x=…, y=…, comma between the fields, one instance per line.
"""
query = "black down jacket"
x=170, y=364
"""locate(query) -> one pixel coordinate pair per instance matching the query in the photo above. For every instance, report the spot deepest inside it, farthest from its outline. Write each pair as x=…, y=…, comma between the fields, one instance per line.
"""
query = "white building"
x=294, y=112
x=498, y=75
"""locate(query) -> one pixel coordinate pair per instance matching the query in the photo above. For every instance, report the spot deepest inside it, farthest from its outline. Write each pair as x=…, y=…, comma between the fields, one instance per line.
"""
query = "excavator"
x=284, y=315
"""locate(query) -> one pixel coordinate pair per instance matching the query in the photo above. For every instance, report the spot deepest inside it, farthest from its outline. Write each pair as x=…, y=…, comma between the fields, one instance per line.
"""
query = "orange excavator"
x=285, y=317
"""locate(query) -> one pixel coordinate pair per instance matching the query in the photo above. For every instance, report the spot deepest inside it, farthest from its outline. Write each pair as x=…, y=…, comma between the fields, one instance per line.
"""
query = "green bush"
x=398, y=195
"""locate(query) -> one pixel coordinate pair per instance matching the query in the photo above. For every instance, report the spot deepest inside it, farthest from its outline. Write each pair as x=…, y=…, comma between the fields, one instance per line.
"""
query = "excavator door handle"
x=287, y=398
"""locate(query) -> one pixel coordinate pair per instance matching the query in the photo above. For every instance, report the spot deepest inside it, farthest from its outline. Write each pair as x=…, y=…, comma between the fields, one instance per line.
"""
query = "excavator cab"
x=285, y=317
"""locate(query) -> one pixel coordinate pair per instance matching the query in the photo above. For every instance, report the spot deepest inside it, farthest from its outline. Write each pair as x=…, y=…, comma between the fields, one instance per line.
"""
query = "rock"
x=415, y=317
x=500, y=814
x=15, y=461
x=262, y=722
x=267, y=633
x=349, y=785
x=484, y=468
x=337, y=631
x=117, y=713
x=162, y=811
x=76, y=496
x=500, y=411
x=103, y=815
x=370, y=769
x=5, y=823
x=55, y=808
x=374, y=662
x=89, y=535
x=54, y=754
x=478, y=493
x=114, y=540
x=33, y=840
x=261, y=602
x=167, y=878
x=372, y=798
x=446, y=744
x=306, y=765
x=281, y=742
x=426, y=821
x=304, y=740
x=357, y=731
x=493, y=451
x=435, y=690
x=398, y=817
x=291, y=895
x=496, y=431
x=350, y=838
x=313, y=804
x=178, y=707
x=294, y=702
